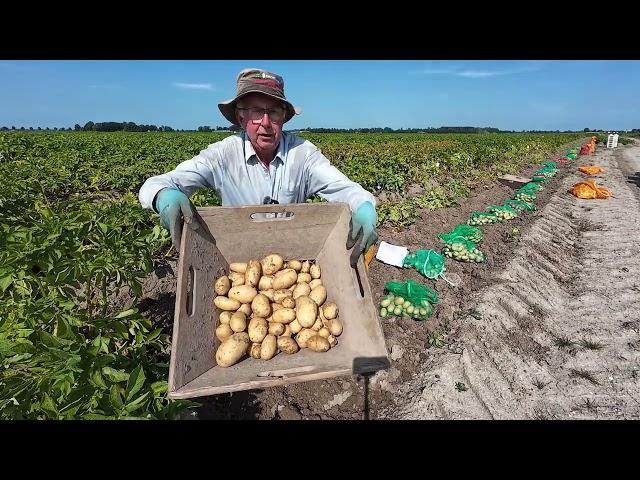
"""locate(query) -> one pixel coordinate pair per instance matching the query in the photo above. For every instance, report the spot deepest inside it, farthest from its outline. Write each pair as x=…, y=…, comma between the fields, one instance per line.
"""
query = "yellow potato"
x=301, y=289
x=287, y=345
x=335, y=327
x=238, y=267
x=306, y=311
x=261, y=305
x=253, y=273
x=304, y=335
x=330, y=310
x=238, y=322
x=288, y=302
x=292, y=288
x=271, y=264
x=305, y=267
x=284, y=315
x=317, y=325
x=225, y=303
x=258, y=329
x=276, y=329
x=246, y=309
x=295, y=264
x=222, y=285
x=266, y=282
x=275, y=307
x=236, y=278
x=232, y=349
x=225, y=317
x=303, y=278
x=315, y=271
x=324, y=332
x=284, y=279
x=254, y=351
x=268, y=293
x=287, y=330
x=318, y=295
x=243, y=293
x=295, y=326
x=318, y=344
x=279, y=295
x=223, y=332
x=333, y=341
x=268, y=348
x=314, y=283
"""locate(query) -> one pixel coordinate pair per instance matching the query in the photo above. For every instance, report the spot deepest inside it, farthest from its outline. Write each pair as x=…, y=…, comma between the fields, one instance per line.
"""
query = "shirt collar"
x=250, y=154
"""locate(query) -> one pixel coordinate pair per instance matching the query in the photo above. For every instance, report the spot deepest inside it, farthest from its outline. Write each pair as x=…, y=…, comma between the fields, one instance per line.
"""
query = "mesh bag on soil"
x=482, y=218
x=591, y=170
x=520, y=206
x=463, y=250
x=410, y=299
x=550, y=164
x=589, y=190
x=546, y=172
x=428, y=263
x=525, y=196
x=462, y=230
x=503, y=212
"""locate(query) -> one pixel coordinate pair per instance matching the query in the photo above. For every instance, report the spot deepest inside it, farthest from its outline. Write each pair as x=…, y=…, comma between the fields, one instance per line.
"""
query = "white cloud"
x=469, y=73
x=194, y=86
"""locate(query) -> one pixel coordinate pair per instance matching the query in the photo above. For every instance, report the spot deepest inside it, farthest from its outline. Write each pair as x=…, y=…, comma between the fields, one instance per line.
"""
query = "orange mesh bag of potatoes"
x=589, y=190
x=591, y=170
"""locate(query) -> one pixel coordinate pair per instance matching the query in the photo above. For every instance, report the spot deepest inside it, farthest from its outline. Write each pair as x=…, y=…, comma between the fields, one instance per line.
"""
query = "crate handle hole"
x=191, y=290
x=269, y=216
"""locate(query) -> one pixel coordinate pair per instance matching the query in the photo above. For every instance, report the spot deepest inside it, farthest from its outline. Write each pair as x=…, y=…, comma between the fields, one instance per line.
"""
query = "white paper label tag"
x=391, y=254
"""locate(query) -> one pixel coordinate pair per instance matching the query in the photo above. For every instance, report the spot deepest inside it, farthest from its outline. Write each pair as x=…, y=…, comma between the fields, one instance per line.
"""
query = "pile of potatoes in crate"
x=270, y=306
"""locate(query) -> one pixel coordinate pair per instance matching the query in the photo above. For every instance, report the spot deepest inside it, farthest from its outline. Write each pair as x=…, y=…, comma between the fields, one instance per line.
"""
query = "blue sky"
x=510, y=95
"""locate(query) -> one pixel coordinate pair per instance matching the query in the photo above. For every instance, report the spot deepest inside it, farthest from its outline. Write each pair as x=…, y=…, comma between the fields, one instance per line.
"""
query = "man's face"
x=263, y=128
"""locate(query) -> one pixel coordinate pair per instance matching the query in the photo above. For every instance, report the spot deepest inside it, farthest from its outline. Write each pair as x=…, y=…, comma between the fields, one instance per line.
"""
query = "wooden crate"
x=313, y=231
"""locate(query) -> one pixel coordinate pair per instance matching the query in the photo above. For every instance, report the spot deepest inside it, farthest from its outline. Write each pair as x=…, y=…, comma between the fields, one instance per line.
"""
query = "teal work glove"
x=362, y=232
x=173, y=205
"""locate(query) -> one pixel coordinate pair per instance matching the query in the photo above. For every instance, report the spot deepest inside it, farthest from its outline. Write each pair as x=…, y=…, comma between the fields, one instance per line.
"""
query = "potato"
x=330, y=310
x=318, y=344
x=224, y=318
x=275, y=307
x=332, y=341
x=232, y=349
x=324, y=332
x=301, y=289
x=287, y=330
x=303, y=278
x=243, y=293
x=318, y=295
x=253, y=273
x=287, y=345
x=280, y=295
x=258, y=329
x=306, y=311
x=295, y=264
x=261, y=305
x=223, y=332
x=254, y=351
x=276, y=329
x=238, y=322
x=266, y=282
x=238, y=267
x=284, y=279
x=335, y=327
x=289, y=302
x=225, y=303
x=222, y=285
x=295, y=326
x=315, y=271
x=268, y=293
x=271, y=264
x=284, y=315
x=236, y=278
x=268, y=348
x=246, y=309
x=292, y=288
x=317, y=325
x=304, y=335
x=314, y=283
x=322, y=317
x=305, y=267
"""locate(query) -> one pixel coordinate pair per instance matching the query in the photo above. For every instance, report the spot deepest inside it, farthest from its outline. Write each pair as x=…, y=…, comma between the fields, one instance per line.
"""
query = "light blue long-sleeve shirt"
x=231, y=166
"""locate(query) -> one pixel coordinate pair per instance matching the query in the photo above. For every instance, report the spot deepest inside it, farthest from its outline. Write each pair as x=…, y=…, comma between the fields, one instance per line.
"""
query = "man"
x=261, y=165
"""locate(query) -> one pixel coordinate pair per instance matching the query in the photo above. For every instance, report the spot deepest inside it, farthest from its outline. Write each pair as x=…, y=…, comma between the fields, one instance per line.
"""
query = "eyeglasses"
x=257, y=114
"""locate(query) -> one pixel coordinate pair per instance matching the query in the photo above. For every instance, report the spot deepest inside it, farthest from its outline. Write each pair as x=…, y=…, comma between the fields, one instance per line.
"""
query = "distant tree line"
x=123, y=127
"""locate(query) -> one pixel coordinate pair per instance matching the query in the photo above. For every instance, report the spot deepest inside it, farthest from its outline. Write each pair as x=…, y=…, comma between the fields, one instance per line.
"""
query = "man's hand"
x=363, y=231
x=173, y=205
